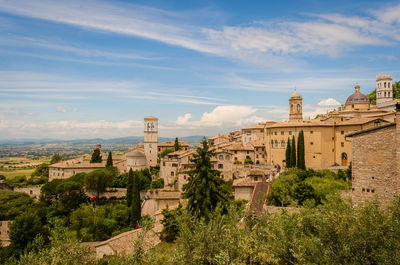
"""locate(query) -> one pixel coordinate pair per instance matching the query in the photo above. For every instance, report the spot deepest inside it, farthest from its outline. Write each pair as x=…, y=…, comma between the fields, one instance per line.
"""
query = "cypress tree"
x=96, y=156
x=288, y=150
x=301, y=163
x=293, y=153
x=109, y=160
x=129, y=187
x=176, y=145
x=136, y=205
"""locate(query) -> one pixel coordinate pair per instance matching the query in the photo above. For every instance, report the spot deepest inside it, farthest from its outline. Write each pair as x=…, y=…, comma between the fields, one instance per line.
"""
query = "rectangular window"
x=311, y=132
x=172, y=173
x=342, y=144
x=341, y=132
x=276, y=133
x=290, y=132
x=220, y=166
x=282, y=133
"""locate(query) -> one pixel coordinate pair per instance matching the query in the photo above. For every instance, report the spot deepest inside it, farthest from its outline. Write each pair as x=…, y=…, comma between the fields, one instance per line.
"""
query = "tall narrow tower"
x=384, y=89
x=151, y=140
x=295, y=107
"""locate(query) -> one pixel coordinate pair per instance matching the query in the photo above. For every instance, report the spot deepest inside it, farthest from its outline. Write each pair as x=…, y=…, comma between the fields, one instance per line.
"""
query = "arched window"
x=298, y=107
x=384, y=94
x=291, y=107
x=283, y=143
x=276, y=143
x=384, y=85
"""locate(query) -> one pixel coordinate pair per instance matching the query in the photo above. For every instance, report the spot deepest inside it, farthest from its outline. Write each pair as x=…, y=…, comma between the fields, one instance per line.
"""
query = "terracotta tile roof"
x=172, y=144
x=240, y=147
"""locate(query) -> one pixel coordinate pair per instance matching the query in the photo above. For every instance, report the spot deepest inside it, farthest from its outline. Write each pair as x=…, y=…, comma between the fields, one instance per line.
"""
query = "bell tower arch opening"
x=296, y=107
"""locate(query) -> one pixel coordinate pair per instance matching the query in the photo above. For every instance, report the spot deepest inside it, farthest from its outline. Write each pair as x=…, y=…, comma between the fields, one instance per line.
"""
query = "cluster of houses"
x=257, y=153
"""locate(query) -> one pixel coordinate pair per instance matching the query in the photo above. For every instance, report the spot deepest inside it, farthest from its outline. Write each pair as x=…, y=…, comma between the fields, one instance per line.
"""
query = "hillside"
x=396, y=93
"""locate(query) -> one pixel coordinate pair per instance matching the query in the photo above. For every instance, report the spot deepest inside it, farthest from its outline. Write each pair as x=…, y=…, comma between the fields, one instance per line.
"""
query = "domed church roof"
x=357, y=97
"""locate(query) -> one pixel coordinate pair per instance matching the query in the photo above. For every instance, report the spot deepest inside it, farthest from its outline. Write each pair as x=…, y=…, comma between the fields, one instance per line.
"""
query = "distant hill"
x=193, y=140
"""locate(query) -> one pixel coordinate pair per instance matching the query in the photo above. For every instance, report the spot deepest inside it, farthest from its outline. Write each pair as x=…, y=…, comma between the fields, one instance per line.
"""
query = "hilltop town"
x=350, y=146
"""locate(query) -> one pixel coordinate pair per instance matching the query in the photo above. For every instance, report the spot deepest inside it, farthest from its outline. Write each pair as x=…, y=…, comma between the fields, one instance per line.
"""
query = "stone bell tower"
x=151, y=140
x=384, y=89
x=295, y=107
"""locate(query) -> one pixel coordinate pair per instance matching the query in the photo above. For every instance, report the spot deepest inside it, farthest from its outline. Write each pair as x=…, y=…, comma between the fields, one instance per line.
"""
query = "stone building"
x=324, y=137
x=184, y=145
x=375, y=164
x=140, y=156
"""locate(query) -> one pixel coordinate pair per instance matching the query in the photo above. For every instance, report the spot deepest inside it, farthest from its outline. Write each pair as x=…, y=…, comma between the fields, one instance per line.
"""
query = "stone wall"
x=4, y=233
x=374, y=165
x=33, y=191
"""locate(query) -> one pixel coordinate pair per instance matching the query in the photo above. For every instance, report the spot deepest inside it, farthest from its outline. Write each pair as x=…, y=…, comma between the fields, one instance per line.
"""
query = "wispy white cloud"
x=269, y=43
x=45, y=86
x=73, y=48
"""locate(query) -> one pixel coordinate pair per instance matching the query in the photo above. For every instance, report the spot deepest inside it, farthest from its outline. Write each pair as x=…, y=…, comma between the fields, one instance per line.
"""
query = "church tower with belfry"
x=295, y=107
x=151, y=140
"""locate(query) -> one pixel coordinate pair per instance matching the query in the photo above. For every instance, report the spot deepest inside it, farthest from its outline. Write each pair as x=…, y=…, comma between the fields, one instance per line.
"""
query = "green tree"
x=301, y=163
x=71, y=195
x=98, y=180
x=205, y=189
x=24, y=229
x=136, y=205
x=129, y=187
x=96, y=156
x=13, y=203
x=176, y=144
x=170, y=223
x=293, y=153
x=165, y=152
x=109, y=163
x=55, y=159
x=287, y=154
x=41, y=171
x=303, y=192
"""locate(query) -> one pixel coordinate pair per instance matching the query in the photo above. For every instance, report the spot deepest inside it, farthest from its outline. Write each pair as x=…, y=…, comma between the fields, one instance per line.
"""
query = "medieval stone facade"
x=375, y=166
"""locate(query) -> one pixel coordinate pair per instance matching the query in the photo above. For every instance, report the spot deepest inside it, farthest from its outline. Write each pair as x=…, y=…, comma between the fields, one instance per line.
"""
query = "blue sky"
x=83, y=69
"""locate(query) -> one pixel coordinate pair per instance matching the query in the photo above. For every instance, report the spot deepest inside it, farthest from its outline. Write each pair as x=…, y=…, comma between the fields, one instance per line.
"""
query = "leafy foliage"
x=109, y=163
x=55, y=159
x=170, y=223
x=24, y=229
x=98, y=180
x=13, y=204
x=41, y=171
x=293, y=153
x=176, y=144
x=96, y=156
x=129, y=188
x=136, y=204
x=287, y=154
x=205, y=189
x=165, y=152
x=301, y=162
x=295, y=186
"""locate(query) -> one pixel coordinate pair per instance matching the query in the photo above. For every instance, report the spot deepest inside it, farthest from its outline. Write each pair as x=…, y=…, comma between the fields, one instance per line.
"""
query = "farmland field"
x=16, y=166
